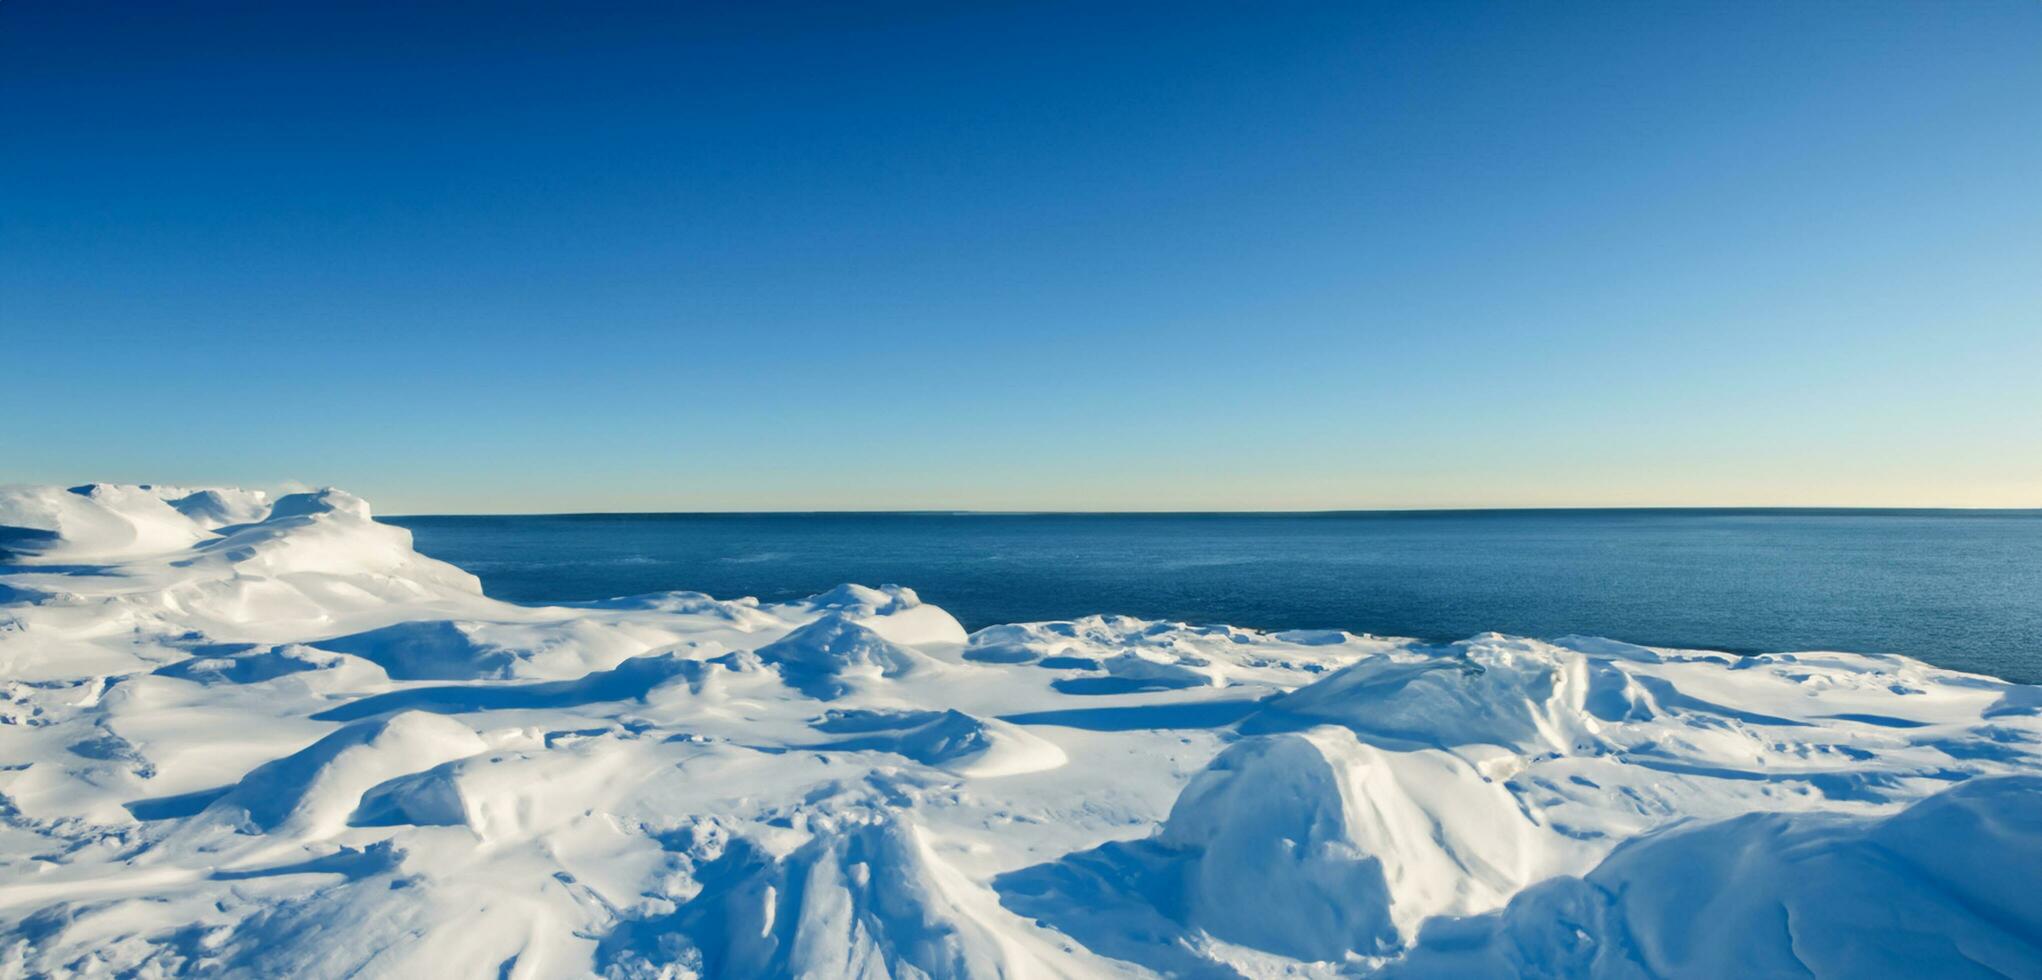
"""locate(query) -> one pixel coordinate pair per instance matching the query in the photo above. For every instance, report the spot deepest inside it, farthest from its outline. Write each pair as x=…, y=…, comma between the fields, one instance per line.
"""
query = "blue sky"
x=482, y=257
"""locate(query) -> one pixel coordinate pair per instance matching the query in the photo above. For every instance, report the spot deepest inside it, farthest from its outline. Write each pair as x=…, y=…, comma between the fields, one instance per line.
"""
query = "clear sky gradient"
x=490, y=257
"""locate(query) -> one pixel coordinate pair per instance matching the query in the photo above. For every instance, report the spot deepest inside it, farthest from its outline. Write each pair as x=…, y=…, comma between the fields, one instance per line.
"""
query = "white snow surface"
x=246, y=736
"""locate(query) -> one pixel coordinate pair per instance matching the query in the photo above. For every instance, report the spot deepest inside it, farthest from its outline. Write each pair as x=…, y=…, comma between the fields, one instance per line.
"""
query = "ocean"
x=1960, y=589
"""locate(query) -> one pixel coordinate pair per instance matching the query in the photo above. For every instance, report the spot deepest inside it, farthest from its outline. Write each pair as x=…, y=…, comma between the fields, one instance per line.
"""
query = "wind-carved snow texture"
x=247, y=736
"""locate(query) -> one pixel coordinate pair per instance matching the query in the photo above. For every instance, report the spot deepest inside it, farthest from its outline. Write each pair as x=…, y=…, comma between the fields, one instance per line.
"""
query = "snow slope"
x=254, y=737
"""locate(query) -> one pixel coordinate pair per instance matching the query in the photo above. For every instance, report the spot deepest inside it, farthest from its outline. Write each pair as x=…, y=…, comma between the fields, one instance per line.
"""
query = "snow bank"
x=247, y=735
x=98, y=522
x=310, y=792
x=1943, y=888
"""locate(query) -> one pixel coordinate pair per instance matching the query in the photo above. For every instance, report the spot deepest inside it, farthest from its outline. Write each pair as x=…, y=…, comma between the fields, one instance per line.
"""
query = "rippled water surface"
x=1959, y=589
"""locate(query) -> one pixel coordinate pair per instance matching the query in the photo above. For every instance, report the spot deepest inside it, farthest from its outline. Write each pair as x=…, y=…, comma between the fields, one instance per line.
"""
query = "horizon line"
x=1314, y=512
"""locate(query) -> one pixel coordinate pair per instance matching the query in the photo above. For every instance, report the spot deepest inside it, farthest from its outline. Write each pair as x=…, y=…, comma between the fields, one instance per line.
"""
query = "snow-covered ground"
x=265, y=737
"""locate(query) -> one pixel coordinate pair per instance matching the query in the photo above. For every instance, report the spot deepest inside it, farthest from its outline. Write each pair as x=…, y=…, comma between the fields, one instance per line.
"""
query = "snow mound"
x=1784, y=894
x=1121, y=654
x=864, y=896
x=256, y=664
x=311, y=792
x=127, y=556
x=893, y=612
x=1320, y=812
x=474, y=650
x=215, y=509
x=99, y=522
x=1144, y=670
x=634, y=679
x=529, y=790
x=829, y=657
x=1311, y=845
x=946, y=739
x=431, y=650
x=325, y=532
x=1491, y=690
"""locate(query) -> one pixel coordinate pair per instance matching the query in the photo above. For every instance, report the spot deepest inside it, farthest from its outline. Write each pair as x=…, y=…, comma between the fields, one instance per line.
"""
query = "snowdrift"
x=1943, y=888
x=247, y=735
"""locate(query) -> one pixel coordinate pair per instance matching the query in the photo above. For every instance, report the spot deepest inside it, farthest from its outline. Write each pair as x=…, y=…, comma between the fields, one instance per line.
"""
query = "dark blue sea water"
x=1961, y=589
